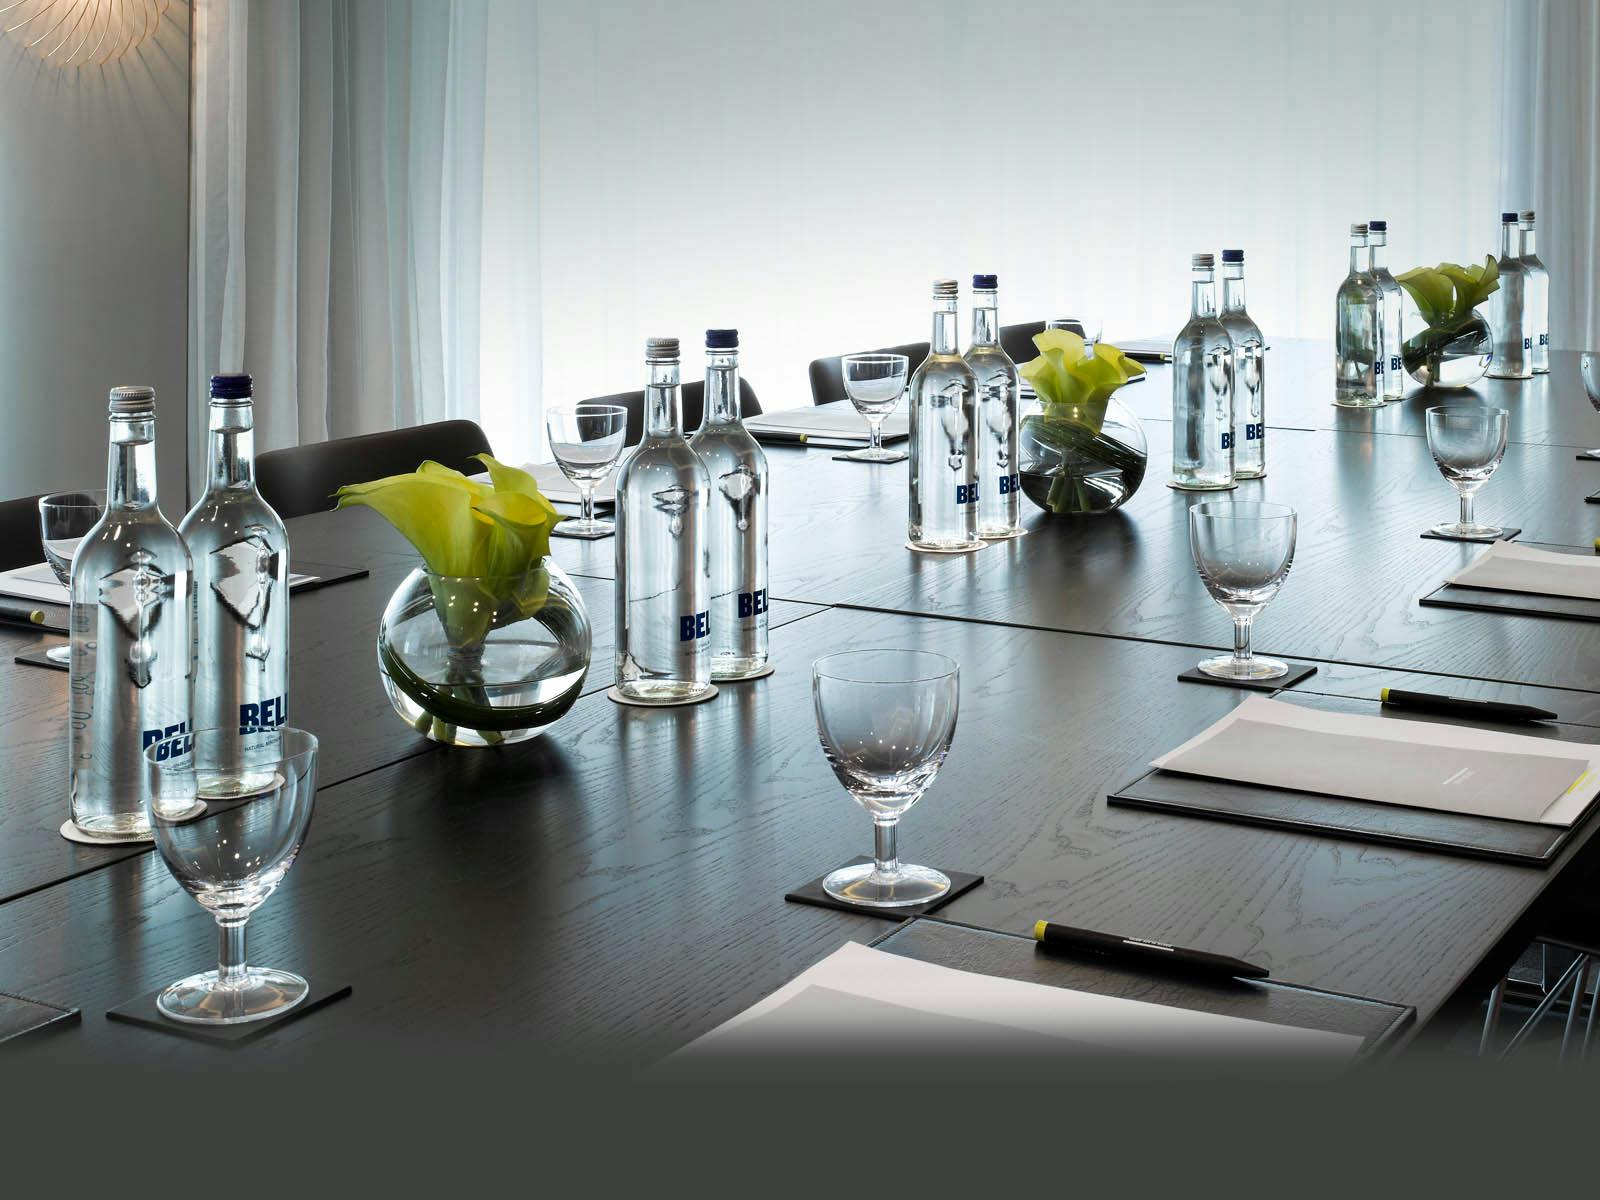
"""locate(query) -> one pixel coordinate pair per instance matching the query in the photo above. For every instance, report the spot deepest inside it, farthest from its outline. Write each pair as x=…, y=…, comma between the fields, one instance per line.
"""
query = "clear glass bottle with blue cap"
x=995, y=451
x=1513, y=344
x=241, y=584
x=663, y=579
x=1202, y=390
x=1537, y=291
x=1249, y=372
x=737, y=522
x=132, y=634
x=943, y=515
x=1391, y=306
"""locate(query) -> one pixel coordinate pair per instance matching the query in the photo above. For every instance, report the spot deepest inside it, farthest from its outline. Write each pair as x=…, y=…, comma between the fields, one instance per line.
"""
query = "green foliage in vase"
x=1074, y=385
x=1446, y=295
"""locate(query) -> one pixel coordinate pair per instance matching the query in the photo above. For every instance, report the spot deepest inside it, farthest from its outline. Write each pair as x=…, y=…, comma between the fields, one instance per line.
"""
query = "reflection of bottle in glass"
x=241, y=592
x=132, y=633
x=737, y=521
x=999, y=487
x=1202, y=390
x=944, y=479
x=1356, y=346
x=663, y=584
x=1391, y=303
x=1513, y=347
x=1249, y=373
x=1537, y=303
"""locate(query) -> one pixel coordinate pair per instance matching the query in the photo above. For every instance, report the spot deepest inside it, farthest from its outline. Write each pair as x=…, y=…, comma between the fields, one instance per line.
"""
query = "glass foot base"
x=1225, y=666
x=1467, y=533
x=262, y=993
x=578, y=527
x=877, y=456
x=61, y=654
x=862, y=884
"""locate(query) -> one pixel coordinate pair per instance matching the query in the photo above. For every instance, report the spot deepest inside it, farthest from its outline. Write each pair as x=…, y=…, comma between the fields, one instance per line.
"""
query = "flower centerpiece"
x=1455, y=345
x=1084, y=450
x=488, y=641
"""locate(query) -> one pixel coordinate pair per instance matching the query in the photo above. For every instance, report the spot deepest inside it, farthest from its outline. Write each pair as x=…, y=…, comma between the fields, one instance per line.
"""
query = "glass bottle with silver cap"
x=1391, y=306
x=1356, y=308
x=1513, y=347
x=663, y=581
x=132, y=634
x=1202, y=390
x=1249, y=373
x=944, y=478
x=1537, y=291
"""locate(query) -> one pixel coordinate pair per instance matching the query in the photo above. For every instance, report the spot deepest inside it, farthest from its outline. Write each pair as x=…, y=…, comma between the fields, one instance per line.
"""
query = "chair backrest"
x=694, y=403
x=19, y=533
x=303, y=479
x=1017, y=340
x=827, y=374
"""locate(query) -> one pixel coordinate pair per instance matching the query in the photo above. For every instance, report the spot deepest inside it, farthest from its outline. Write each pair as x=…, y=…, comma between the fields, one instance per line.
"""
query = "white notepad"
x=866, y=995
x=38, y=582
x=1508, y=567
x=836, y=422
x=557, y=488
x=1416, y=764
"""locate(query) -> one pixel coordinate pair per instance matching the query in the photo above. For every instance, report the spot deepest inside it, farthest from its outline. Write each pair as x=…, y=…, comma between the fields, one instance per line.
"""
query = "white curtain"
x=359, y=242
x=1550, y=152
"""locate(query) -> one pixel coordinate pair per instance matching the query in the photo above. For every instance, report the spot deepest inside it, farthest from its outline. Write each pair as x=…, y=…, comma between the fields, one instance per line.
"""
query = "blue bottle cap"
x=231, y=386
x=1233, y=256
x=985, y=283
x=1378, y=226
x=1508, y=218
x=722, y=339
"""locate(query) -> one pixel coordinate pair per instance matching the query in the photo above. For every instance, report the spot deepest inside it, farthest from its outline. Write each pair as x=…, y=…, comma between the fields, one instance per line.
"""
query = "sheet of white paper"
x=838, y=421
x=1409, y=748
x=1103, y=1022
x=1508, y=567
x=558, y=488
x=38, y=582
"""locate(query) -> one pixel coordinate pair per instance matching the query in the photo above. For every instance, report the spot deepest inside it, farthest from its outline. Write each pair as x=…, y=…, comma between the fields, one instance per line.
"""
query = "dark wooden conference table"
x=615, y=887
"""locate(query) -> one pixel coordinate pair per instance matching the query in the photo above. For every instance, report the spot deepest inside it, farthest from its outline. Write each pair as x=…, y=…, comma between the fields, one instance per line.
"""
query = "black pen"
x=21, y=611
x=780, y=437
x=1158, y=954
x=1459, y=706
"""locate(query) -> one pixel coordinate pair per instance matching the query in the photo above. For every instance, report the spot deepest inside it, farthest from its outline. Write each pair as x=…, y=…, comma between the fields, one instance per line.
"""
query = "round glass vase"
x=1449, y=356
x=484, y=661
x=1071, y=463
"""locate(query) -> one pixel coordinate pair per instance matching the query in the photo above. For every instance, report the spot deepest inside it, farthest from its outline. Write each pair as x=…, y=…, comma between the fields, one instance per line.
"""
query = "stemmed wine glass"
x=1468, y=442
x=587, y=441
x=64, y=519
x=1243, y=549
x=886, y=718
x=1589, y=372
x=874, y=383
x=231, y=859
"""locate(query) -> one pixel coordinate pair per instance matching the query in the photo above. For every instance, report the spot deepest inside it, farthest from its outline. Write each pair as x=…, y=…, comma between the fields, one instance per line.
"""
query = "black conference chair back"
x=303, y=479
x=1017, y=340
x=19, y=533
x=827, y=374
x=694, y=404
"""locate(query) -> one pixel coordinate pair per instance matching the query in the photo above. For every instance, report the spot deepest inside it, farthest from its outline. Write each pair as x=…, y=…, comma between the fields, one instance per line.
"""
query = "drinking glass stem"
x=1241, y=640
x=1466, y=508
x=230, y=955
x=586, y=496
x=888, y=862
x=875, y=433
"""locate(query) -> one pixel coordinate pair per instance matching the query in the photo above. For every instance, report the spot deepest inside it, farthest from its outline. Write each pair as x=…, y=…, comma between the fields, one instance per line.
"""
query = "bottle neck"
x=944, y=325
x=1203, y=302
x=722, y=387
x=1233, y=288
x=1380, y=252
x=663, y=402
x=1527, y=239
x=985, y=320
x=232, y=457
x=1360, y=257
x=131, y=469
x=1508, y=248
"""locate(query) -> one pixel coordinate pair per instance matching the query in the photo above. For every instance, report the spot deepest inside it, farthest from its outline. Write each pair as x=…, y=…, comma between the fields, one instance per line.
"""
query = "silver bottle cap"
x=133, y=401
x=945, y=287
x=661, y=349
x=1202, y=261
x=1527, y=215
x=1358, y=230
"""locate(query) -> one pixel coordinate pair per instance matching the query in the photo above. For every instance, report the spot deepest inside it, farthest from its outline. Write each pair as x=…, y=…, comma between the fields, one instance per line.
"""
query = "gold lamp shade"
x=78, y=33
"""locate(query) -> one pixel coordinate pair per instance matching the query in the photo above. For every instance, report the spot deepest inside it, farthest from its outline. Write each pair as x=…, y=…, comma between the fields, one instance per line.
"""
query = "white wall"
x=802, y=170
x=93, y=253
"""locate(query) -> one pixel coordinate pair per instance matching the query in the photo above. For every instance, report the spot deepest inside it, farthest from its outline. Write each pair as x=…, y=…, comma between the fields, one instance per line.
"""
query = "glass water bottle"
x=132, y=634
x=1537, y=293
x=737, y=522
x=1356, y=349
x=999, y=485
x=1202, y=390
x=1391, y=306
x=241, y=586
x=1513, y=345
x=1249, y=373
x=663, y=584
x=944, y=478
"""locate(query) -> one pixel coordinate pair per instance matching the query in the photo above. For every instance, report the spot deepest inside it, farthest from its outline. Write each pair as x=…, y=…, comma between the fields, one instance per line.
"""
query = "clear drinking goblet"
x=874, y=383
x=230, y=859
x=1589, y=372
x=587, y=441
x=64, y=519
x=1088, y=328
x=1467, y=441
x=1242, y=549
x=886, y=718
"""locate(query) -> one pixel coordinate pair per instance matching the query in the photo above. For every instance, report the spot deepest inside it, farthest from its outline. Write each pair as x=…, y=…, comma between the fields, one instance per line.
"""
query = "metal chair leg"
x=1574, y=1004
x=1577, y=968
x=1491, y=1019
x=1594, y=1012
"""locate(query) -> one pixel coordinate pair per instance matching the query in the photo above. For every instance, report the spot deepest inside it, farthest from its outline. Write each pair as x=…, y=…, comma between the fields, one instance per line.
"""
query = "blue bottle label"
x=262, y=717
x=1010, y=484
x=966, y=493
x=175, y=749
x=752, y=604
x=693, y=627
x=1252, y=431
x=1227, y=439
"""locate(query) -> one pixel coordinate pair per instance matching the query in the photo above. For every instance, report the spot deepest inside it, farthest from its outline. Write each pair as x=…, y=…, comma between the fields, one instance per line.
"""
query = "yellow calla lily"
x=1074, y=385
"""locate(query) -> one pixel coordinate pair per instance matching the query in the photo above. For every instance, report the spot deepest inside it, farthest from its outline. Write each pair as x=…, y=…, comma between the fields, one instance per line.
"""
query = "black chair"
x=694, y=403
x=1017, y=340
x=303, y=479
x=827, y=374
x=19, y=533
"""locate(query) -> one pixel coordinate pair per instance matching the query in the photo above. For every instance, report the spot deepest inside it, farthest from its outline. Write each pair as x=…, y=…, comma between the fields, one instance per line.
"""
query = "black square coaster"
x=143, y=1011
x=561, y=531
x=1588, y=456
x=1592, y=498
x=812, y=893
x=21, y=1017
x=1505, y=535
x=1295, y=675
x=36, y=658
